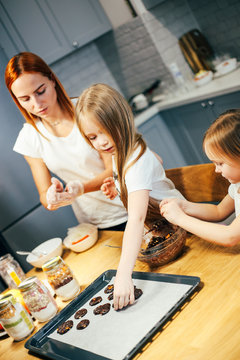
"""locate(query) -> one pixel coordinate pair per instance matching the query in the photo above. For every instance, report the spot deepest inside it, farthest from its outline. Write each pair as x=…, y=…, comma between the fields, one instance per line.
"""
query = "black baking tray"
x=40, y=344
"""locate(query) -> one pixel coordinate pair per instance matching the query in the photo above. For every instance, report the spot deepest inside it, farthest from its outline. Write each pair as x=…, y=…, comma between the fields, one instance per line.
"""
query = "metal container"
x=14, y=318
x=38, y=299
x=61, y=278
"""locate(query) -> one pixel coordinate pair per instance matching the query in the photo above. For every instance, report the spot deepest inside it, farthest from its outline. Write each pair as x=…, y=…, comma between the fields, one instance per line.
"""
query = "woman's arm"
x=41, y=176
x=42, y=179
x=132, y=239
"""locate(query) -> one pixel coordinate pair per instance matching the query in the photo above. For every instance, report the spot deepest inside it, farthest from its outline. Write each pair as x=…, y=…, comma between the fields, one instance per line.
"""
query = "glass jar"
x=14, y=318
x=11, y=271
x=61, y=278
x=38, y=299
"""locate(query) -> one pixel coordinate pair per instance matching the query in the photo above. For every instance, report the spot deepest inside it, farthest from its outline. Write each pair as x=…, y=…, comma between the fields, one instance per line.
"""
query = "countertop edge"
x=220, y=86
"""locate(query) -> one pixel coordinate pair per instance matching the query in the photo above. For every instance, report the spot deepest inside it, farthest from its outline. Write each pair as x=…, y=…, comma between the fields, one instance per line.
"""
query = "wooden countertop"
x=207, y=328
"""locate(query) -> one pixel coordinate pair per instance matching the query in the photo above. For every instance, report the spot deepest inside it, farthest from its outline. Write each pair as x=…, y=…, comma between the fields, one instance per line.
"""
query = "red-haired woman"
x=51, y=143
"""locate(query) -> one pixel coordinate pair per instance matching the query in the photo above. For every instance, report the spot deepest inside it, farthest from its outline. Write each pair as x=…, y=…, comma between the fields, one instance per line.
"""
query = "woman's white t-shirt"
x=71, y=158
x=147, y=173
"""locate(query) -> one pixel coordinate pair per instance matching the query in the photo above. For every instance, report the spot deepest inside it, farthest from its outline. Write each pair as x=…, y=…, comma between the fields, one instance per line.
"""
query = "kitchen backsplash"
x=132, y=56
x=83, y=68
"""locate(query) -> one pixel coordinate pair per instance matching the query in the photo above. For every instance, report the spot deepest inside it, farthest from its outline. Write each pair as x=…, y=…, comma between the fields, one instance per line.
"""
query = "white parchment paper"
x=115, y=334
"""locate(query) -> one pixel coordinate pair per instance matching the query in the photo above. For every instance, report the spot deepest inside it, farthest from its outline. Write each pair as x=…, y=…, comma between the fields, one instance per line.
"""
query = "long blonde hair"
x=223, y=136
x=27, y=62
x=115, y=116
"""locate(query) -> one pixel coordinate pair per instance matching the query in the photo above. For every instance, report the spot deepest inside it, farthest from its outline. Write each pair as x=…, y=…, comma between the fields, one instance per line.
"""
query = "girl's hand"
x=109, y=189
x=182, y=203
x=58, y=197
x=123, y=291
x=171, y=209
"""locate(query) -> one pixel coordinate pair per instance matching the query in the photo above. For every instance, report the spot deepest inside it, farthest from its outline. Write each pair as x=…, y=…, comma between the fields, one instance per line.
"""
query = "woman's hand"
x=57, y=196
x=75, y=188
x=109, y=189
x=123, y=291
x=172, y=209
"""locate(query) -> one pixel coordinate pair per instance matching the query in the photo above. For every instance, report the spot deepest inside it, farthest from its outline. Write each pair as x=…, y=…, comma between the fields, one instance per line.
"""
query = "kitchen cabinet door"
x=160, y=140
x=50, y=28
x=187, y=124
x=38, y=226
x=222, y=103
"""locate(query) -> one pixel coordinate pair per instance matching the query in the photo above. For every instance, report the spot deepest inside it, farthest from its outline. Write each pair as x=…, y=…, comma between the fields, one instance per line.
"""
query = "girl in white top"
x=50, y=141
x=222, y=146
x=106, y=120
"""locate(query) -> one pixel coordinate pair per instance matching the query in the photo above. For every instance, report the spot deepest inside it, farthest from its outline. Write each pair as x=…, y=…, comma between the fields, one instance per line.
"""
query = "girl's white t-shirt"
x=148, y=174
x=71, y=158
x=235, y=195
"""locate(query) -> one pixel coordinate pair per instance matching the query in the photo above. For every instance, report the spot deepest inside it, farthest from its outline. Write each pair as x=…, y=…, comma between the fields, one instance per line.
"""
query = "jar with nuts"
x=61, y=278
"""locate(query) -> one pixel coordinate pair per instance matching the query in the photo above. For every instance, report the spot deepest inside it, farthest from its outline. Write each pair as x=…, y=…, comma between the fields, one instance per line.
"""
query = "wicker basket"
x=166, y=251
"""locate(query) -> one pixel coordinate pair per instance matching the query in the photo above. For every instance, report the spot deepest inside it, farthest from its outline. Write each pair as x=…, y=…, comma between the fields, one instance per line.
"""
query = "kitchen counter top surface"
x=219, y=86
x=206, y=327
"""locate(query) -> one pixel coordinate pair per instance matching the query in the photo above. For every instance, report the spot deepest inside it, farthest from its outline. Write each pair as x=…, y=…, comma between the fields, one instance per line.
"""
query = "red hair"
x=27, y=62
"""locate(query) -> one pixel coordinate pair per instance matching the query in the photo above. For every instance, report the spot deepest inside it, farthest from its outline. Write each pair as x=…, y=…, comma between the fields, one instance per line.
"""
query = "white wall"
x=117, y=11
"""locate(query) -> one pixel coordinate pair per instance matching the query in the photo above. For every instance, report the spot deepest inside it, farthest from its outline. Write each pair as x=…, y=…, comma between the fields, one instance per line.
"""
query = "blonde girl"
x=106, y=120
x=222, y=146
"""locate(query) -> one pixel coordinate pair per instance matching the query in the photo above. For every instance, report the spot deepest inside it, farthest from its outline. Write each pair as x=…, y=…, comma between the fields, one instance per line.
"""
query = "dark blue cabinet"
x=38, y=226
x=188, y=123
x=160, y=140
x=50, y=28
x=222, y=103
x=176, y=134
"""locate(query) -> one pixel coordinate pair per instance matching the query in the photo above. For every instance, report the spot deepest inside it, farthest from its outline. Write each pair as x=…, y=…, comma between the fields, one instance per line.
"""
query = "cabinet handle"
x=75, y=44
x=203, y=104
x=211, y=103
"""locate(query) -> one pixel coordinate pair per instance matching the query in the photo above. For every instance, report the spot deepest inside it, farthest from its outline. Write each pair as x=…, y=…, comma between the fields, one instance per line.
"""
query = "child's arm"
x=208, y=212
x=220, y=234
x=132, y=239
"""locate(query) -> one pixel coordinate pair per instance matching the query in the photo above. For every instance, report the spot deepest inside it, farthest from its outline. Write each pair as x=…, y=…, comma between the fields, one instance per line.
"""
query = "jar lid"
x=5, y=300
x=6, y=257
x=50, y=264
x=27, y=283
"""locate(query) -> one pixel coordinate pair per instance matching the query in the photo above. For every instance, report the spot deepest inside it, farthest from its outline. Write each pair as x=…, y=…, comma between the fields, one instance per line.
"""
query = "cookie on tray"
x=82, y=324
x=102, y=309
x=65, y=327
x=80, y=313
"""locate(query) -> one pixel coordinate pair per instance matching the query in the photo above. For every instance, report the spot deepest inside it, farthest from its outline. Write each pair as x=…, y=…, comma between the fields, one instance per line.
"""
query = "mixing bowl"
x=53, y=247
x=81, y=237
x=166, y=250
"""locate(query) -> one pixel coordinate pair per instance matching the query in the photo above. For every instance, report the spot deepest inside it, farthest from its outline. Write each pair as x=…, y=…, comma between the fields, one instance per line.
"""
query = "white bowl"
x=53, y=247
x=227, y=66
x=203, y=77
x=81, y=237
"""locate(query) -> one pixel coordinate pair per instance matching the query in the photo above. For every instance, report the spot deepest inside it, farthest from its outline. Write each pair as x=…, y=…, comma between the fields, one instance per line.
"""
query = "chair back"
x=199, y=183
